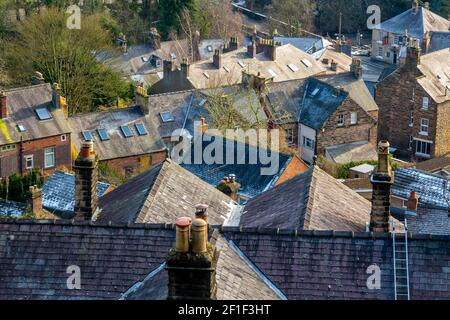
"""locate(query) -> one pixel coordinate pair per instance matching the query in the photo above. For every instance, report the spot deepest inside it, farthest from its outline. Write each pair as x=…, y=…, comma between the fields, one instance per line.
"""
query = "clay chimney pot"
x=199, y=235
x=182, y=235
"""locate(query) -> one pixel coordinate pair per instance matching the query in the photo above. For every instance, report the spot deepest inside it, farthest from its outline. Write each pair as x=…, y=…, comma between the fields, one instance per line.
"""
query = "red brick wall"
x=131, y=166
x=9, y=161
x=364, y=129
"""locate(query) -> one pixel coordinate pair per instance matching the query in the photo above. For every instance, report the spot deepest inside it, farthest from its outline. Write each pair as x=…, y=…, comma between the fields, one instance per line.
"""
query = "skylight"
x=140, y=128
x=43, y=114
x=306, y=63
x=206, y=75
x=126, y=131
x=202, y=102
x=241, y=64
x=293, y=67
x=315, y=91
x=87, y=136
x=103, y=134
x=21, y=128
x=166, y=116
x=272, y=73
x=226, y=69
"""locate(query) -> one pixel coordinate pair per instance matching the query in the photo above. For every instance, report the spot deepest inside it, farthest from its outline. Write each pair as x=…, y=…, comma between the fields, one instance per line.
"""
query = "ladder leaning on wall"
x=400, y=259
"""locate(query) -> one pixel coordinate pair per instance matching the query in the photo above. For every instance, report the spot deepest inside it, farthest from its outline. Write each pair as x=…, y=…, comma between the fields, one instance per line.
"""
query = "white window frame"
x=306, y=141
x=29, y=158
x=341, y=117
x=424, y=126
x=49, y=151
x=425, y=103
x=63, y=137
x=422, y=151
x=354, y=118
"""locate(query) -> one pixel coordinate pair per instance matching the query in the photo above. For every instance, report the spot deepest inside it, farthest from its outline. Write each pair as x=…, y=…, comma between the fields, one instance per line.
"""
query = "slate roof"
x=117, y=146
x=303, y=43
x=12, y=208
x=21, y=104
x=113, y=260
x=312, y=200
x=315, y=110
x=435, y=164
x=354, y=151
x=214, y=44
x=429, y=220
x=162, y=194
x=417, y=23
x=58, y=193
x=249, y=175
x=237, y=279
x=287, y=95
x=286, y=54
x=432, y=189
x=436, y=70
x=439, y=41
x=333, y=265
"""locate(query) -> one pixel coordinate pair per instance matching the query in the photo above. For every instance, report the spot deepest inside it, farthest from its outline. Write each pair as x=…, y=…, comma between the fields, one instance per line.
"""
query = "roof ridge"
x=27, y=87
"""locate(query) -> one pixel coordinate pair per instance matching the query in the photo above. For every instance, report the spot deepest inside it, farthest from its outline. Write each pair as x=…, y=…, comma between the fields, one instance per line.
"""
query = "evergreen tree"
x=170, y=12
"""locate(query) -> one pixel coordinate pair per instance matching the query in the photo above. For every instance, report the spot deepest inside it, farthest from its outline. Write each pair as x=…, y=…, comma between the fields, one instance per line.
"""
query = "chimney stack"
x=86, y=176
x=203, y=125
x=191, y=266
x=233, y=44
x=142, y=99
x=413, y=53
x=230, y=187
x=185, y=68
x=415, y=5
x=35, y=199
x=217, y=59
x=333, y=65
x=251, y=49
x=38, y=78
x=200, y=212
x=426, y=5
x=3, y=105
x=356, y=68
x=155, y=38
x=56, y=95
x=382, y=180
x=426, y=42
x=167, y=68
x=413, y=201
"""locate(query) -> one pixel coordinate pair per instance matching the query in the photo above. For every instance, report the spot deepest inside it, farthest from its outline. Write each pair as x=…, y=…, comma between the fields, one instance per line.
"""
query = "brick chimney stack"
x=191, y=265
x=413, y=53
x=217, y=59
x=86, y=176
x=382, y=180
x=167, y=68
x=356, y=68
x=413, y=201
x=35, y=199
x=233, y=44
x=38, y=78
x=3, y=105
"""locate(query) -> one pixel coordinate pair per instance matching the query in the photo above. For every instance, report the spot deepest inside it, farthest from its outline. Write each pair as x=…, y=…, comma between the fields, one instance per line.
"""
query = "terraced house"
x=34, y=132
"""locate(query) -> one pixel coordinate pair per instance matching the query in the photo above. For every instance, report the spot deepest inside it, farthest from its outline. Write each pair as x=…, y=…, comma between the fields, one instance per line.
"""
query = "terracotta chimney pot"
x=199, y=235
x=182, y=235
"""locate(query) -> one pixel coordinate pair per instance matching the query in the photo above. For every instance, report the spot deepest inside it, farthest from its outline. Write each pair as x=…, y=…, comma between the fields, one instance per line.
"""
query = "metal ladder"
x=401, y=271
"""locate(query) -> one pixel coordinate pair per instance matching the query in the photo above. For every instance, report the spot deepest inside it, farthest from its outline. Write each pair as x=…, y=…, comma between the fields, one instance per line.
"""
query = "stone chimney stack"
x=426, y=5
x=56, y=95
x=35, y=199
x=356, y=68
x=3, y=105
x=251, y=49
x=38, y=78
x=382, y=180
x=230, y=187
x=413, y=201
x=142, y=98
x=233, y=44
x=86, y=176
x=333, y=65
x=185, y=68
x=155, y=38
x=191, y=265
x=217, y=59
